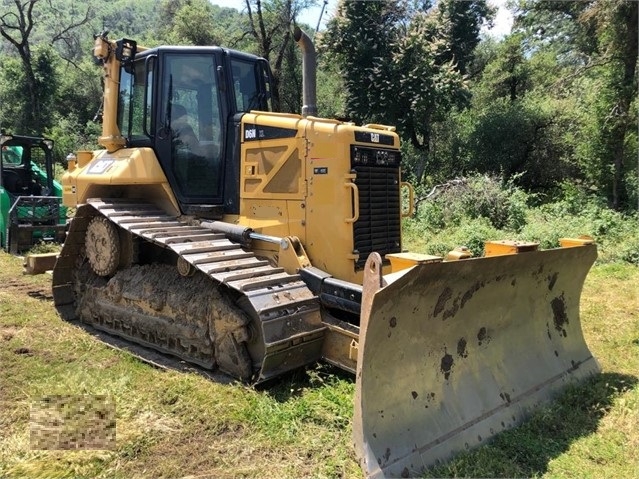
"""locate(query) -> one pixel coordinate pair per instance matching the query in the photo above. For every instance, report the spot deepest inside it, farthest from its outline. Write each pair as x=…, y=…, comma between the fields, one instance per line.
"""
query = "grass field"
x=178, y=424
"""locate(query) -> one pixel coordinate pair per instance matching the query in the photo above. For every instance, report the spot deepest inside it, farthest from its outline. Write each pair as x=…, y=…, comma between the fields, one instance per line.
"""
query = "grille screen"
x=378, y=227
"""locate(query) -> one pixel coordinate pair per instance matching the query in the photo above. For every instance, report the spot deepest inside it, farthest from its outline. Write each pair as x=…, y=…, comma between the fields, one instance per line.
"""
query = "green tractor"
x=30, y=199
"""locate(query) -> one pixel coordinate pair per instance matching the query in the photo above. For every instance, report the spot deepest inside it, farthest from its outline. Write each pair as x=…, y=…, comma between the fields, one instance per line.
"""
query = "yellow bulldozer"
x=256, y=242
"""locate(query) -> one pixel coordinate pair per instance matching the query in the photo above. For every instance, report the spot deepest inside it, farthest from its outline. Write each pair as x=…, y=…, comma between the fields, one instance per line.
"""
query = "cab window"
x=245, y=86
x=191, y=106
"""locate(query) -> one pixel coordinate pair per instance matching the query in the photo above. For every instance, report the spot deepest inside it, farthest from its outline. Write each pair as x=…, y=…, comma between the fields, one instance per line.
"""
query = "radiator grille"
x=378, y=227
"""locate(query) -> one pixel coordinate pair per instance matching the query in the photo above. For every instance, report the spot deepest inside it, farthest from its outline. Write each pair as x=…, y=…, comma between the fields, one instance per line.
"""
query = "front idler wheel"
x=102, y=246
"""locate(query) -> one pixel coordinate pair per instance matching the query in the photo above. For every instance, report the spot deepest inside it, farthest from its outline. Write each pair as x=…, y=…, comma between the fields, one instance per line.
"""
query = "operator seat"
x=183, y=134
x=16, y=181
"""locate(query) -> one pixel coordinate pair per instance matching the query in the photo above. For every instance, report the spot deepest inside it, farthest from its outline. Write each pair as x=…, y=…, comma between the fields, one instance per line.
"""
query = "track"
x=36, y=291
x=236, y=312
x=144, y=354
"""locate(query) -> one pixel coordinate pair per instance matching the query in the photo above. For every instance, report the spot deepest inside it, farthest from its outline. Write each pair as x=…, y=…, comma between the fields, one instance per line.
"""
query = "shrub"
x=630, y=252
x=451, y=204
x=473, y=210
x=474, y=233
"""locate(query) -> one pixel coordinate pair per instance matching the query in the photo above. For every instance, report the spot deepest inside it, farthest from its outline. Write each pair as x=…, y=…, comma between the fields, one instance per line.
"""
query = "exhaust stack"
x=309, y=62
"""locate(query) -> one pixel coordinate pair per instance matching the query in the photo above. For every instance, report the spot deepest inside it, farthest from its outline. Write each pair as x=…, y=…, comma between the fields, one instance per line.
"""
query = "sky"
x=311, y=16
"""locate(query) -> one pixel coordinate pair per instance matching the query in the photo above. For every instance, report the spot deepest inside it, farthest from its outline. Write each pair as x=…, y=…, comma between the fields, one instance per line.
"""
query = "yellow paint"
x=400, y=261
x=303, y=186
x=129, y=173
x=579, y=241
x=299, y=184
x=501, y=247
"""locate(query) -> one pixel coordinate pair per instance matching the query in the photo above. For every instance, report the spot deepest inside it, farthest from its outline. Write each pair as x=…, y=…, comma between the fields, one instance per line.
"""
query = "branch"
x=234, y=43
x=9, y=38
x=260, y=17
x=5, y=26
x=249, y=10
x=280, y=54
x=70, y=61
x=29, y=26
x=61, y=34
x=580, y=70
x=438, y=189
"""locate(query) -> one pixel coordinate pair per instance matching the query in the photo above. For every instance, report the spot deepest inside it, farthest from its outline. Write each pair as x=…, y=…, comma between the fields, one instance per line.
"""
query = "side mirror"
x=125, y=50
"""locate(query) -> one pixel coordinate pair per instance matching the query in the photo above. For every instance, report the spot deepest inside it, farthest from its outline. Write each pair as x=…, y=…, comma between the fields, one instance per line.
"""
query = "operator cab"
x=26, y=165
x=185, y=103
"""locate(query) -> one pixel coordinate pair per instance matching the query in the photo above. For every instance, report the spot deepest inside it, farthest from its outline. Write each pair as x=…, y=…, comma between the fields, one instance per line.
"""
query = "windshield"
x=12, y=155
x=190, y=110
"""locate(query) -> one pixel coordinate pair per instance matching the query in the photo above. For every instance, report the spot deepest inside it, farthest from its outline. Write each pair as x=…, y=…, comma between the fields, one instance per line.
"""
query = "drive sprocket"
x=102, y=246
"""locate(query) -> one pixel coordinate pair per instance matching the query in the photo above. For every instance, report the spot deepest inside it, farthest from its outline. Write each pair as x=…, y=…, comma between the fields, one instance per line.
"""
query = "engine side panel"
x=298, y=177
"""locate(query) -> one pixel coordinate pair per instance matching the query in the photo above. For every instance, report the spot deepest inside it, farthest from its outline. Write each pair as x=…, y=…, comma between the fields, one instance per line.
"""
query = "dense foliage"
x=468, y=211
x=553, y=103
x=413, y=59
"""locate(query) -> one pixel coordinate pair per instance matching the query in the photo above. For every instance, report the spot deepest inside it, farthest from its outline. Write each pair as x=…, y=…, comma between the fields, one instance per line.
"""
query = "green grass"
x=168, y=423
x=45, y=247
x=176, y=424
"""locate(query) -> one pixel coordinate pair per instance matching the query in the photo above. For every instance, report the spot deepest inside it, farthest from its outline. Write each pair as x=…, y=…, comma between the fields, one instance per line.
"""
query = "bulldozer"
x=254, y=242
x=30, y=198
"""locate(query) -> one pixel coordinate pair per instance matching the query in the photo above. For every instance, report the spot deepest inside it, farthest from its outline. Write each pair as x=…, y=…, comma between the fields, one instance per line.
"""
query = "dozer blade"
x=452, y=353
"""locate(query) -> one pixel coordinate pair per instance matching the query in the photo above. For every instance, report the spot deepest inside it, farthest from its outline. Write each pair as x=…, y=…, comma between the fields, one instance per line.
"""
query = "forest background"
x=532, y=135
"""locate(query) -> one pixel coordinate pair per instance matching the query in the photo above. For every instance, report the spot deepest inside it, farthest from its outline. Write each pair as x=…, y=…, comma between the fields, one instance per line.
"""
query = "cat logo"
x=101, y=166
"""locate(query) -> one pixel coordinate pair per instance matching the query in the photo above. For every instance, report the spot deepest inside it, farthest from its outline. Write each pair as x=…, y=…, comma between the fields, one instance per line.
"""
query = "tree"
x=412, y=60
x=270, y=25
x=616, y=25
x=429, y=86
x=360, y=39
x=464, y=20
x=193, y=23
x=190, y=22
x=604, y=33
x=555, y=26
x=16, y=26
x=13, y=97
x=508, y=73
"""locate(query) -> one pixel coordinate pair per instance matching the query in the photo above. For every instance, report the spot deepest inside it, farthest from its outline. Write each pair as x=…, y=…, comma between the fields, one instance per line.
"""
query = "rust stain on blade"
x=441, y=302
x=560, y=318
x=447, y=365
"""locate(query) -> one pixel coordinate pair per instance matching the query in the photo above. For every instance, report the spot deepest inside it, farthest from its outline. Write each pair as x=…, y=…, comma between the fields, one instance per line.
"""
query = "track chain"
x=286, y=330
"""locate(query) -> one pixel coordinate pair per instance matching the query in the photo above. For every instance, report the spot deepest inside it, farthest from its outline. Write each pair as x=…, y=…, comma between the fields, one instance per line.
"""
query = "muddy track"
x=146, y=355
x=226, y=309
x=150, y=356
x=17, y=285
